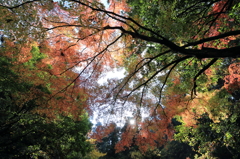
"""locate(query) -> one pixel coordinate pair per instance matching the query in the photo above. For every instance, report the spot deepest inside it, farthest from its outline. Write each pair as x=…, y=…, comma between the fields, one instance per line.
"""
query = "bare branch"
x=230, y=33
x=156, y=73
x=199, y=73
x=22, y=4
x=92, y=59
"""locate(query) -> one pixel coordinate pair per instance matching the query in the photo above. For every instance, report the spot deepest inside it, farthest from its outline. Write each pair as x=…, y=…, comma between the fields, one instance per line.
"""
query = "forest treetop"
x=174, y=53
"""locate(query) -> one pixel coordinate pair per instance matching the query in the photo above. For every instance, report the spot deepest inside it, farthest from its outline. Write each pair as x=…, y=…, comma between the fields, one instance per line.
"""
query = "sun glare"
x=132, y=121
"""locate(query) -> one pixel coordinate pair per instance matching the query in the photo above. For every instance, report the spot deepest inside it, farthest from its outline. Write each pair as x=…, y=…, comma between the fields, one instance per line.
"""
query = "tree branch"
x=156, y=73
x=22, y=4
x=199, y=73
x=230, y=33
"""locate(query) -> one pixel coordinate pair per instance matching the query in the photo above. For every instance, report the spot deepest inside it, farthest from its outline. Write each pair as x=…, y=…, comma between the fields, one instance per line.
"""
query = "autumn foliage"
x=80, y=45
x=66, y=59
x=232, y=81
x=219, y=17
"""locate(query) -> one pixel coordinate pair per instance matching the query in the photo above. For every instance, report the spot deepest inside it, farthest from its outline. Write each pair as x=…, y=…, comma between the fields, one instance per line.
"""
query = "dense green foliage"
x=26, y=134
x=216, y=132
x=219, y=138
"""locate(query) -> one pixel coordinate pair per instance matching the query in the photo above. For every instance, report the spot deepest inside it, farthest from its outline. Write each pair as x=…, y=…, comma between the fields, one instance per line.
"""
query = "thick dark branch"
x=213, y=53
x=203, y=53
x=162, y=41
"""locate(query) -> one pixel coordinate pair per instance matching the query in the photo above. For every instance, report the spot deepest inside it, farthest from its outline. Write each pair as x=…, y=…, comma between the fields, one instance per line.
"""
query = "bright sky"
x=105, y=3
x=115, y=73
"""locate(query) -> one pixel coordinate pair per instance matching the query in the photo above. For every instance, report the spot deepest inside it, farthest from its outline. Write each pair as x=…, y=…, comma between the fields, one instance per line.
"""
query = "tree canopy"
x=181, y=62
